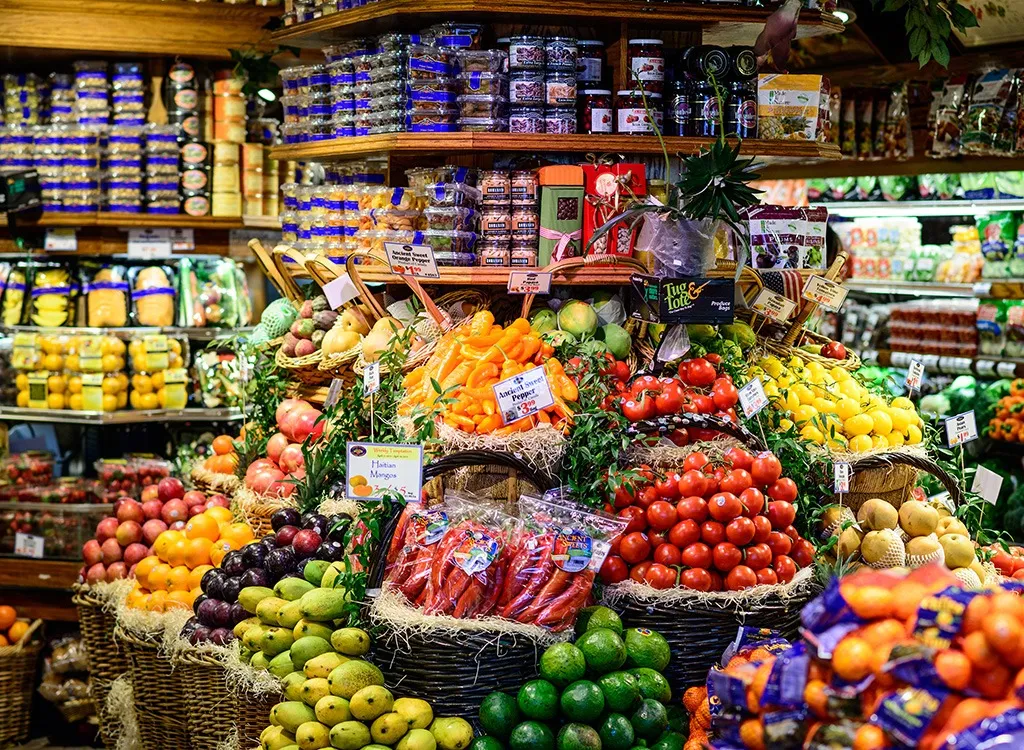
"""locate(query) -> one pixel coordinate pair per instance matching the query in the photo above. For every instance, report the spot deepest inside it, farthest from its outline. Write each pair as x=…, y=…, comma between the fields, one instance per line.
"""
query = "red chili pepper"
x=445, y=599
x=540, y=575
x=494, y=589
x=556, y=585
x=522, y=567
x=470, y=599
x=398, y=539
x=569, y=601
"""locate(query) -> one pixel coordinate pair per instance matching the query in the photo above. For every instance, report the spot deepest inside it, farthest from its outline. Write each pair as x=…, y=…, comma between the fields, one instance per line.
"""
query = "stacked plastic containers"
x=62, y=99
x=542, y=84
x=123, y=164
x=129, y=95
x=92, y=93
x=342, y=74
x=15, y=148
x=181, y=98
x=22, y=99
x=48, y=157
x=482, y=83
x=81, y=188
x=162, y=171
x=453, y=204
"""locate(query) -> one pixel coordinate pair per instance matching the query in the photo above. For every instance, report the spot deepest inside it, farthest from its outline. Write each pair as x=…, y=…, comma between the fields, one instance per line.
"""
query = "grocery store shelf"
x=912, y=288
x=192, y=334
x=133, y=221
x=484, y=276
x=725, y=25
x=66, y=416
x=262, y=222
x=921, y=208
x=139, y=27
x=344, y=148
x=879, y=167
x=25, y=572
x=981, y=365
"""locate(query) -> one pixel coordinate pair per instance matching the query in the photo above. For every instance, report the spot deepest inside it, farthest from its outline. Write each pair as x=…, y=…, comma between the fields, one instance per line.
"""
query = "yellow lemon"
x=913, y=434
x=804, y=413
x=53, y=362
x=55, y=401
x=74, y=384
x=895, y=439
x=109, y=402
x=122, y=399
x=22, y=399
x=133, y=399
x=174, y=345
x=21, y=382
x=860, y=443
x=111, y=385
x=158, y=380
x=148, y=401
x=902, y=402
x=122, y=381
x=846, y=408
x=142, y=383
x=75, y=401
x=139, y=363
x=116, y=346
x=785, y=425
x=860, y=424
x=135, y=348
x=823, y=405
x=812, y=433
x=851, y=388
x=108, y=362
x=901, y=419
x=72, y=362
x=882, y=422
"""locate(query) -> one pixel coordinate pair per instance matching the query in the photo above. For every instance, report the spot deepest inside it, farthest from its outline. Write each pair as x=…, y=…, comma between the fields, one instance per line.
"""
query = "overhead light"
x=846, y=15
x=269, y=96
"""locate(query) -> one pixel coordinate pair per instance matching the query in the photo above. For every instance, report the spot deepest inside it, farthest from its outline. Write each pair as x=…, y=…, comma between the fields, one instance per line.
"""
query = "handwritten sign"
x=753, y=398
x=841, y=476
x=914, y=375
x=773, y=306
x=828, y=294
x=529, y=282
x=961, y=429
x=371, y=378
x=375, y=469
x=523, y=395
x=412, y=260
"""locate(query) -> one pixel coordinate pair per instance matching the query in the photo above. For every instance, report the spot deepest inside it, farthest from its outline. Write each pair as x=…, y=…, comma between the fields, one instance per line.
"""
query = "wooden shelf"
x=881, y=167
x=483, y=276
x=139, y=27
x=346, y=148
x=133, y=221
x=722, y=24
x=24, y=572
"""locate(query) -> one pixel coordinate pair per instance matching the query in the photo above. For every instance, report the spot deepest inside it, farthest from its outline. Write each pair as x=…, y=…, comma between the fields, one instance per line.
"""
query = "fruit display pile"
x=709, y=526
x=284, y=463
x=605, y=691
x=700, y=388
x=12, y=627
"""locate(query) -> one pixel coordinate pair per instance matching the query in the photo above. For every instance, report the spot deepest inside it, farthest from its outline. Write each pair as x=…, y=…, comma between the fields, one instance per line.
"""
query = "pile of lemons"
x=830, y=407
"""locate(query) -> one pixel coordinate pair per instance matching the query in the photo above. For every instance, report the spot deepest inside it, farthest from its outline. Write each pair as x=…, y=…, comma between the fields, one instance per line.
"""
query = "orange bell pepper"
x=481, y=323
x=489, y=423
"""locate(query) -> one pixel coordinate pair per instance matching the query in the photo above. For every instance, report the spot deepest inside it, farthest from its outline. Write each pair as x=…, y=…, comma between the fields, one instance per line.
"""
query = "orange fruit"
x=869, y=602
x=756, y=687
x=202, y=526
x=953, y=668
x=7, y=616
x=197, y=574
x=752, y=734
x=906, y=598
x=992, y=683
x=157, y=579
x=975, y=614
x=179, y=600
x=164, y=542
x=136, y=599
x=816, y=698
x=870, y=737
x=977, y=649
x=692, y=698
x=884, y=632
x=177, y=551
x=198, y=552
x=222, y=445
x=17, y=631
x=879, y=658
x=219, y=514
x=237, y=532
x=4, y=641
x=1008, y=603
x=177, y=578
x=1002, y=631
x=145, y=567
x=221, y=548
x=702, y=718
x=157, y=602
x=851, y=659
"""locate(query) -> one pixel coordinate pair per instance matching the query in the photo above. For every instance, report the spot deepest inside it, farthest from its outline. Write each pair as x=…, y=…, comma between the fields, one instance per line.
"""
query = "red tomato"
x=660, y=577
x=712, y=533
x=695, y=578
x=711, y=481
x=779, y=543
x=766, y=576
x=726, y=556
x=724, y=507
x=668, y=488
x=695, y=460
x=670, y=400
x=700, y=372
x=739, y=458
x=635, y=548
x=762, y=528
x=1001, y=559
x=661, y=515
x=614, y=570
x=637, y=519
x=624, y=496
x=753, y=501
x=785, y=568
x=717, y=584
x=644, y=383
x=724, y=394
x=757, y=556
x=792, y=533
x=684, y=533
x=703, y=404
x=684, y=371
x=693, y=507
x=656, y=538
x=680, y=437
x=613, y=548
x=637, y=572
x=1018, y=575
x=667, y=554
x=697, y=555
x=739, y=578
x=638, y=408
x=737, y=481
x=645, y=497
x=766, y=469
x=621, y=371
x=803, y=553
x=781, y=514
x=692, y=482
x=715, y=359
x=783, y=489
x=740, y=531
x=646, y=472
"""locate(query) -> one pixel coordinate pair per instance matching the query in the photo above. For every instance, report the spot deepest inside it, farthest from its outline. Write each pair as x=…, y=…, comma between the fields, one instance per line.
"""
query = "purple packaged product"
x=783, y=730
x=727, y=694
x=827, y=609
x=1003, y=731
x=906, y=714
x=913, y=663
x=940, y=616
x=788, y=678
x=812, y=253
x=748, y=638
x=825, y=641
x=776, y=236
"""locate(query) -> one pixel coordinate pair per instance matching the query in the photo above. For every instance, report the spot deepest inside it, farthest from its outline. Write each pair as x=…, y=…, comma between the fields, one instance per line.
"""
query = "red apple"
x=106, y=529
x=218, y=500
x=91, y=552
x=177, y=526
x=151, y=508
x=258, y=465
x=194, y=497
x=281, y=489
x=117, y=570
x=170, y=488
x=128, y=532
x=195, y=510
x=135, y=552
x=174, y=510
x=96, y=574
x=111, y=551
x=287, y=406
x=131, y=510
x=150, y=492
x=292, y=458
x=151, y=529
x=275, y=445
x=299, y=474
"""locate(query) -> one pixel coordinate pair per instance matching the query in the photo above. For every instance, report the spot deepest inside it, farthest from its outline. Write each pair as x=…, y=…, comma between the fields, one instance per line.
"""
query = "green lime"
x=499, y=714
x=645, y=648
x=603, y=650
x=538, y=699
x=590, y=618
x=669, y=740
x=578, y=737
x=678, y=719
x=652, y=684
x=531, y=735
x=582, y=701
x=650, y=719
x=562, y=663
x=616, y=733
x=486, y=743
x=621, y=690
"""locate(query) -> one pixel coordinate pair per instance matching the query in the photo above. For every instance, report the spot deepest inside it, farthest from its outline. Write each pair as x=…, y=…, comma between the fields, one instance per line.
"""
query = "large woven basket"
x=17, y=685
x=256, y=510
x=158, y=692
x=107, y=661
x=212, y=481
x=891, y=477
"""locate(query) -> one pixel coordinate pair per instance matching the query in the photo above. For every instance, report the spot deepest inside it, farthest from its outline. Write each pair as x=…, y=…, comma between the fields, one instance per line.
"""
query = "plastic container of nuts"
x=481, y=61
x=452, y=218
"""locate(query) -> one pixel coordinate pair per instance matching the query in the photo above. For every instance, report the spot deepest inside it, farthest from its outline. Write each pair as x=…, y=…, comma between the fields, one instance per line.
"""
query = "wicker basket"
x=158, y=692
x=107, y=661
x=17, y=685
x=891, y=477
x=256, y=510
x=213, y=482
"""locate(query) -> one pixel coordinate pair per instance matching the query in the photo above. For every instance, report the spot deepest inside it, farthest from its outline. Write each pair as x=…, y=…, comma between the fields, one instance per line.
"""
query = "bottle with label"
x=741, y=105
x=679, y=109
x=709, y=65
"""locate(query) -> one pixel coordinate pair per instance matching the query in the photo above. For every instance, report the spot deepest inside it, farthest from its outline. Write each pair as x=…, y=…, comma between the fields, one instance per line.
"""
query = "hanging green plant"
x=929, y=24
x=257, y=68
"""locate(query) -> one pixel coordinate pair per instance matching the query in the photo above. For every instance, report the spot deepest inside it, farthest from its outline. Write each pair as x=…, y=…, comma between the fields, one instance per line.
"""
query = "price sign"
x=753, y=398
x=411, y=260
x=987, y=484
x=842, y=473
x=961, y=429
x=828, y=294
x=149, y=243
x=371, y=378
x=985, y=368
x=1006, y=370
x=529, y=282
x=182, y=240
x=28, y=545
x=982, y=288
x=914, y=374
x=773, y=306
x=945, y=499
x=522, y=395
x=38, y=391
x=374, y=469
x=339, y=291
x=60, y=240
x=955, y=365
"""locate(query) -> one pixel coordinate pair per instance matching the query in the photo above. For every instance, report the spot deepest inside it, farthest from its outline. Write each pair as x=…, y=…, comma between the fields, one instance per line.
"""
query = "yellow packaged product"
x=14, y=295
x=153, y=295
x=106, y=295
x=52, y=296
x=792, y=107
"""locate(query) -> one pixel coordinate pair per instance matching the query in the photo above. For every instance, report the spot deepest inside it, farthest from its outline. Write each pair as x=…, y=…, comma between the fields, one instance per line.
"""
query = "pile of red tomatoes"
x=709, y=527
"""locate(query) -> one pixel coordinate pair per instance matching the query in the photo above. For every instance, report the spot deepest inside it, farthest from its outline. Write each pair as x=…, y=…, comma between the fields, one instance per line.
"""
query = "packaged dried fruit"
x=153, y=294
x=483, y=105
x=453, y=194
x=105, y=286
x=481, y=61
x=450, y=218
x=52, y=296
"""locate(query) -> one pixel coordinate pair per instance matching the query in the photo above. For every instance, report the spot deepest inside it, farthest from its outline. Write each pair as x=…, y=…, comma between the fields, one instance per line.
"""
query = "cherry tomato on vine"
x=638, y=408
x=725, y=506
x=766, y=576
x=646, y=496
x=779, y=543
x=680, y=436
x=670, y=399
x=803, y=553
x=712, y=533
x=668, y=488
x=724, y=394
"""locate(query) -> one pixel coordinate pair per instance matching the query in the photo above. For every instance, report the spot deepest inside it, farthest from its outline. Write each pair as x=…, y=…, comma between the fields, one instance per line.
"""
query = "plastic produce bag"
x=209, y=296
x=411, y=553
x=680, y=248
x=551, y=576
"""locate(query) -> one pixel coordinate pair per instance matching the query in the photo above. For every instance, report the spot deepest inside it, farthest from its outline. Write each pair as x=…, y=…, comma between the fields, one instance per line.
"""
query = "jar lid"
x=645, y=41
x=598, y=92
x=634, y=92
x=589, y=43
x=528, y=38
x=550, y=39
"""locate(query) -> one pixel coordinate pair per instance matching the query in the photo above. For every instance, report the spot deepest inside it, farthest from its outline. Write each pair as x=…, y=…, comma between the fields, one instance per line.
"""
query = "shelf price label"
x=982, y=288
x=914, y=375
x=60, y=241
x=182, y=240
x=1006, y=369
x=930, y=361
x=961, y=429
x=842, y=472
x=523, y=395
x=149, y=243
x=374, y=469
x=828, y=294
x=529, y=282
x=371, y=378
x=985, y=367
x=899, y=359
x=987, y=484
x=753, y=398
x=411, y=260
x=773, y=306
x=28, y=545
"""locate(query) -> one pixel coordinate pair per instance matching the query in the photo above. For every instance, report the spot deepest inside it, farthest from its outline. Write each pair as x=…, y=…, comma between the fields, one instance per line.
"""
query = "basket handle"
x=882, y=460
x=584, y=261
x=703, y=421
x=283, y=281
x=441, y=318
x=809, y=307
x=27, y=637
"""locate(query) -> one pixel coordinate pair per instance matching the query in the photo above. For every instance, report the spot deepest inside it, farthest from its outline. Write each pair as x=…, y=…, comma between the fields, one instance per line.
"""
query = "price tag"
x=930, y=362
x=28, y=545
x=522, y=395
x=753, y=398
x=982, y=288
x=92, y=391
x=773, y=306
x=175, y=375
x=1006, y=369
x=61, y=240
x=339, y=291
x=529, y=282
x=961, y=429
x=333, y=393
x=149, y=243
x=90, y=354
x=828, y=294
x=411, y=260
x=38, y=392
x=842, y=473
x=374, y=469
x=987, y=484
x=182, y=240
x=985, y=368
x=371, y=378
x=914, y=374
x=157, y=352
x=945, y=499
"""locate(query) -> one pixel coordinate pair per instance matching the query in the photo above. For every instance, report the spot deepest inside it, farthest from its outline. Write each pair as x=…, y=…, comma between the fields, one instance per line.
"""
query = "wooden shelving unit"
x=880, y=167
x=39, y=588
x=135, y=221
x=484, y=276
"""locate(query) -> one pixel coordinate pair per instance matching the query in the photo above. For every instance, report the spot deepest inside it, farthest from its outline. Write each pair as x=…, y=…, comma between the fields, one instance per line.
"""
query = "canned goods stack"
x=693, y=108
x=129, y=95
x=228, y=110
x=22, y=99
x=62, y=98
x=196, y=167
x=82, y=173
x=542, y=84
x=226, y=195
x=123, y=185
x=181, y=97
x=162, y=172
x=252, y=179
x=92, y=93
x=48, y=156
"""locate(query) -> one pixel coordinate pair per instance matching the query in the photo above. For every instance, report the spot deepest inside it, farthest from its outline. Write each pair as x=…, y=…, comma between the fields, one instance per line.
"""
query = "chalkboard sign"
x=684, y=300
x=19, y=191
